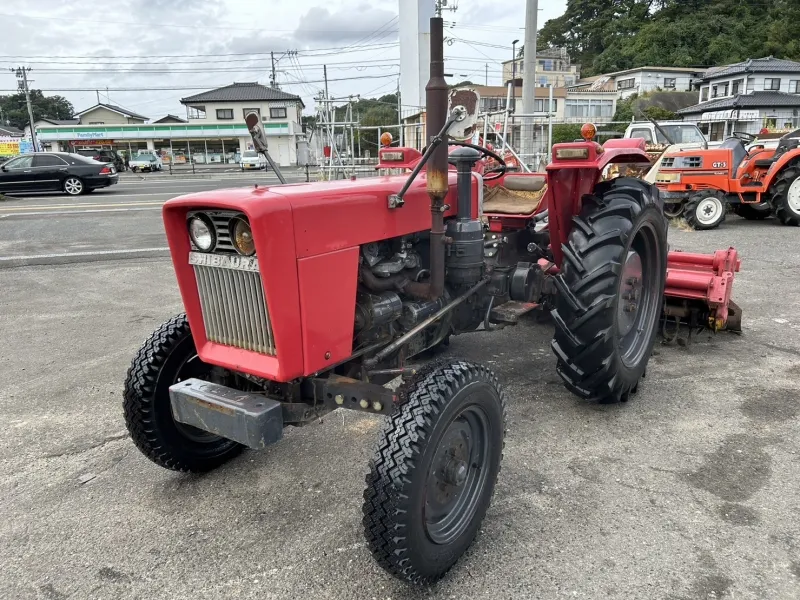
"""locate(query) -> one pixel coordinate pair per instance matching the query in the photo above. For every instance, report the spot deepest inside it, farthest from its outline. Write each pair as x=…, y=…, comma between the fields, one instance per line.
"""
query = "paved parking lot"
x=691, y=490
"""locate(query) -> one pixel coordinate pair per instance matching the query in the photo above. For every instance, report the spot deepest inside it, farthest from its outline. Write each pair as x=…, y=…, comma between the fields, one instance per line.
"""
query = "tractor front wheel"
x=167, y=357
x=705, y=210
x=786, y=195
x=434, y=470
x=610, y=290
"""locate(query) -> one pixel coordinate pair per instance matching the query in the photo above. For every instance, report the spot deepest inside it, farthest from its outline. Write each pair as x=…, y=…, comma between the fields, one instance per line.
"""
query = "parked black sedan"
x=54, y=171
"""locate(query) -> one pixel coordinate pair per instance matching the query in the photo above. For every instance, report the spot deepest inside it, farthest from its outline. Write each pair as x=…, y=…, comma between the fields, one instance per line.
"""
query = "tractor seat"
x=524, y=183
x=784, y=146
x=518, y=195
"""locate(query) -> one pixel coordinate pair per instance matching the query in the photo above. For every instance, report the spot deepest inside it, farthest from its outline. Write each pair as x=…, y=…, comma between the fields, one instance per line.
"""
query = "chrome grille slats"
x=234, y=306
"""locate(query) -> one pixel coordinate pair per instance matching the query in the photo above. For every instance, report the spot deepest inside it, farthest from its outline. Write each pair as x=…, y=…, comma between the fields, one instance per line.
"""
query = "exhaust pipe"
x=436, y=117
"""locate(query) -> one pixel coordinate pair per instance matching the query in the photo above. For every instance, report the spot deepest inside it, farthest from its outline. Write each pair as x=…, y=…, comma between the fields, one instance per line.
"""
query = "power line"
x=150, y=24
x=185, y=71
x=338, y=49
x=205, y=87
x=69, y=65
x=364, y=40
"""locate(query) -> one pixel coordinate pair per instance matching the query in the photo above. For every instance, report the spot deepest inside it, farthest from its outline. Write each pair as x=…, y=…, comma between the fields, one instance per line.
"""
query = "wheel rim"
x=457, y=476
x=793, y=196
x=638, y=296
x=673, y=209
x=73, y=186
x=193, y=367
x=709, y=210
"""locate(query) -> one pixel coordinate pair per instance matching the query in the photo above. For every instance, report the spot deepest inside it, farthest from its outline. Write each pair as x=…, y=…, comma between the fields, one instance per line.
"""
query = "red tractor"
x=699, y=184
x=302, y=299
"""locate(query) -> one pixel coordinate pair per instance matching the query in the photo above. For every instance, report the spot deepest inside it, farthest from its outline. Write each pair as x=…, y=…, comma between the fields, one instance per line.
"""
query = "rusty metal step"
x=510, y=312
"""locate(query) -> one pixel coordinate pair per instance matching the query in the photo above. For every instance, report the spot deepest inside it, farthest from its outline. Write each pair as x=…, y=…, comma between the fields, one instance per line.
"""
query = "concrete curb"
x=67, y=258
x=231, y=176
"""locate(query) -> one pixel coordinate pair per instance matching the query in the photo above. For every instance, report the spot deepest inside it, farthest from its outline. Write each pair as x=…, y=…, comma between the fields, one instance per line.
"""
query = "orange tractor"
x=756, y=182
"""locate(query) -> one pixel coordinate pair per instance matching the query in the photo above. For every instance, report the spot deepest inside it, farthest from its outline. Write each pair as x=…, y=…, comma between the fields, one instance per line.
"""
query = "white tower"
x=415, y=52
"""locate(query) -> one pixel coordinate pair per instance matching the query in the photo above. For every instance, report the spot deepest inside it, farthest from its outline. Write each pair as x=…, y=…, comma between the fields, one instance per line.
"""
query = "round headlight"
x=242, y=237
x=201, y=232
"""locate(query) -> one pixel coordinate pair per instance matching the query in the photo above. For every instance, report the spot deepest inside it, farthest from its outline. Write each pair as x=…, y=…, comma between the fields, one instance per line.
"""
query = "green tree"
x=612, y=35
x=637, y=107
x=566, y=132
x=371, y=112
x=15, y=109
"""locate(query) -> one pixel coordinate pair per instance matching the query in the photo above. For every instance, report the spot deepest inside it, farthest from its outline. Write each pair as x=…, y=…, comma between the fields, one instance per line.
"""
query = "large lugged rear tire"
x=167, y=357
x=705, y=210
x=753, y=212
x=610, y=290
x=434, y=470
x=786, y=195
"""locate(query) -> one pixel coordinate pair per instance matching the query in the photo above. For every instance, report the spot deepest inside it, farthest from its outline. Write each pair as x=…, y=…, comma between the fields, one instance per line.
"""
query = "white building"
x=757, y=94
x=646, y=79
x=214, y=132
x=280, y=114
x=553, y=67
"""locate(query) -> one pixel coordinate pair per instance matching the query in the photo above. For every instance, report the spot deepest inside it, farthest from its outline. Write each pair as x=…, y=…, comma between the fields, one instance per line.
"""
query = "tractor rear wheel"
x=433, y=473
x=754, y=212
x=705, y=210
x=610, y=290
x=167, y=357
x=786, y=195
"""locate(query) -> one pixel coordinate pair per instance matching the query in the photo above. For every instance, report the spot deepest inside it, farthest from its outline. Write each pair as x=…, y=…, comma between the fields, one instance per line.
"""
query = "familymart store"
x=176, y=143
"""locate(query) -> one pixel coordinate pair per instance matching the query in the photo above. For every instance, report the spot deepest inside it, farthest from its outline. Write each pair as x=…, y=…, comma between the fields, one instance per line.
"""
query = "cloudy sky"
x=151, y=53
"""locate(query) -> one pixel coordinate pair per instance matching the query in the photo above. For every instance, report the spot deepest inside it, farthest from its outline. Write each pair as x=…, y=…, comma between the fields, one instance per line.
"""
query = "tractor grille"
x=682, y=162
x=232, y=298
x=693, y=162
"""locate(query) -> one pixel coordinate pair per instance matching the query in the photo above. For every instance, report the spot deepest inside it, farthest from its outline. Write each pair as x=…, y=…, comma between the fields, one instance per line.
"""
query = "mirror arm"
x=396, y=200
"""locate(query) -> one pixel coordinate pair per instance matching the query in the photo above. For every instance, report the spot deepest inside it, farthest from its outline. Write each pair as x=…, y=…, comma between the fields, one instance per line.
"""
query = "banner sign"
x=9, y=146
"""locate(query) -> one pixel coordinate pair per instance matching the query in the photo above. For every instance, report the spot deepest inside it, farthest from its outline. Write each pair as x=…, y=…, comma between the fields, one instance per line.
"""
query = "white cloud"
x=146, y=29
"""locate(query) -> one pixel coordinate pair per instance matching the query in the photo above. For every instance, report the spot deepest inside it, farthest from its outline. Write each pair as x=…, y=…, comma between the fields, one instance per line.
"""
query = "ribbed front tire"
x=433, y=473
x=167, y=357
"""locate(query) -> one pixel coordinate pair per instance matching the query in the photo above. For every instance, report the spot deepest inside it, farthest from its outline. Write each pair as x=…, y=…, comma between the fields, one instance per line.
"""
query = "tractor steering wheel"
x=745, y=137
x=499, y=170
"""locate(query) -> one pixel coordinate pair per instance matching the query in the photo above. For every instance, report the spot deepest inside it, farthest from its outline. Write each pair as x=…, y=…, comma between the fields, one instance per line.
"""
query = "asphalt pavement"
x=689, y=491
x=119, y=221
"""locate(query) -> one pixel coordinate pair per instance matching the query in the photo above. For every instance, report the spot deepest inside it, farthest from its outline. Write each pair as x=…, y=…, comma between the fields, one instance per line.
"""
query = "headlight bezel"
x=206, y=221
x=233, y=224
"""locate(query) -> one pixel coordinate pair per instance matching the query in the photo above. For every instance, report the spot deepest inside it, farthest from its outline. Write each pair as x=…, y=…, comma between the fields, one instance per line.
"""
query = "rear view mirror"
x=463, y=104
x=256, y=131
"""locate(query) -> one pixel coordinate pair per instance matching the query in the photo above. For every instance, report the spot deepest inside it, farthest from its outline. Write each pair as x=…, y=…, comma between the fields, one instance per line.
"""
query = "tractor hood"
x=324, y=216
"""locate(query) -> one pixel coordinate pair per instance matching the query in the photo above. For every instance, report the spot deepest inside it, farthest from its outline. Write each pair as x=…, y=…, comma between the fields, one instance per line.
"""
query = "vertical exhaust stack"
x=436, y=117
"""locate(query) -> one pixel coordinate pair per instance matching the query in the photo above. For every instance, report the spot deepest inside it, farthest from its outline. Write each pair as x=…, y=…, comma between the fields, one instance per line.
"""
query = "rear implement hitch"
x=698, y=291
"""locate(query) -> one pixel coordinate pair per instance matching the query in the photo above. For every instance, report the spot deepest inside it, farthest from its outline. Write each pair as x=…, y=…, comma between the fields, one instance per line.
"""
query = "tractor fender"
x=570, y=180
x=779, y=165
x=625, y=150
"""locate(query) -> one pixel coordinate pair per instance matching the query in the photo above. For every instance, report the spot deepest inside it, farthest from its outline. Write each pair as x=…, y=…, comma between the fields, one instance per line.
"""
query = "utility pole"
x=22, y=75
x=326, y=108
x=529, y=71
x=399, y=117
x=98, y=95
x=272, y=80
x=487, y=73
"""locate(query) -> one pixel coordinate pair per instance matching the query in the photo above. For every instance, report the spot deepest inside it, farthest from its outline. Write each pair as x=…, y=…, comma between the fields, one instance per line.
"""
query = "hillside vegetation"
x=612, y=35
